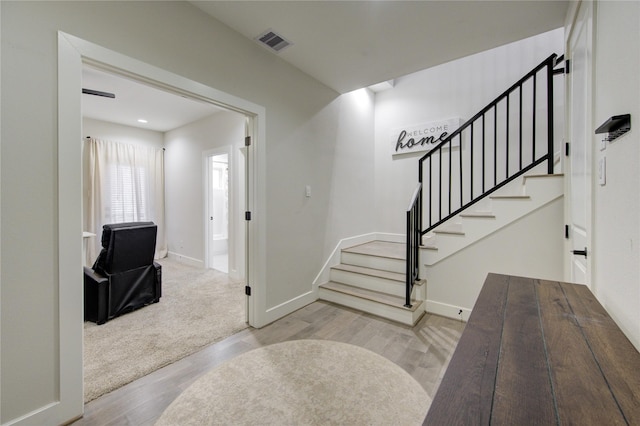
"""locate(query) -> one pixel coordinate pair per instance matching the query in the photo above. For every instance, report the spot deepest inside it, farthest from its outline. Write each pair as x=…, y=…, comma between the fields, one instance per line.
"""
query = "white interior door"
x=579, y=173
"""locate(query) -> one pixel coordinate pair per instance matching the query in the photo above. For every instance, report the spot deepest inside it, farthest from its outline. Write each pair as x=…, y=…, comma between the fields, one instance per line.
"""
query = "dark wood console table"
x=538, y=352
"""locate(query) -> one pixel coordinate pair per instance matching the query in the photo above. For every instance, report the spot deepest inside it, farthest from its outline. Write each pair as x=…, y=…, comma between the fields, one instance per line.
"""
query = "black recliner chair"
x=124, y=277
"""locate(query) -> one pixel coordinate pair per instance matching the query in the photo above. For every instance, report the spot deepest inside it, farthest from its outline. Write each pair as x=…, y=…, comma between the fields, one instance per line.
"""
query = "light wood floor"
x=423, y=351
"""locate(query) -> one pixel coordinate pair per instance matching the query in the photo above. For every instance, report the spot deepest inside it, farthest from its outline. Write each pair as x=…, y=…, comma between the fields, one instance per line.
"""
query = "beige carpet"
x=302, y=382
x=198, y=307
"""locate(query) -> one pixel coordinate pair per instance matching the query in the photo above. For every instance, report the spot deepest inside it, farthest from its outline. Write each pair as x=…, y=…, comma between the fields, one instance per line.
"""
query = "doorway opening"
x=73, y=53
x=218, y=205
x=221, y=297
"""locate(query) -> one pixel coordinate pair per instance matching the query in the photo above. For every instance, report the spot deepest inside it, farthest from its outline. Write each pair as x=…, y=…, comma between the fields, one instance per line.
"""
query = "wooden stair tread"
x=449, y=229
x=370, y=272
x=488, y=215
x=375, y=296
x=448, y=232
x=543, y=175
x=507, y=197
x=381, y=249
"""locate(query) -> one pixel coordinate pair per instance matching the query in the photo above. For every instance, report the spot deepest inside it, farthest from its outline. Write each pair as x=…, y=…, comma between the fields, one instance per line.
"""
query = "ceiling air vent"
x=273, y=41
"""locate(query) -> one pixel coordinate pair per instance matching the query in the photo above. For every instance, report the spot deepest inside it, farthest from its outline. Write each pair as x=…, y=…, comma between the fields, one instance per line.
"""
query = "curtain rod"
x=89, y=137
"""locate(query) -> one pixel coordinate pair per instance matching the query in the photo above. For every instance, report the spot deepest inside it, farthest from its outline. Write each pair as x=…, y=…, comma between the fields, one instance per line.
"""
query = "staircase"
x=371, y=278
x=495, y=169
x=521, y=197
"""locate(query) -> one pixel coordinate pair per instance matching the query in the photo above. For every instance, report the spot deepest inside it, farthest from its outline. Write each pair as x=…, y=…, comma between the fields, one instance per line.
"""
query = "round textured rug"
x=302, y=382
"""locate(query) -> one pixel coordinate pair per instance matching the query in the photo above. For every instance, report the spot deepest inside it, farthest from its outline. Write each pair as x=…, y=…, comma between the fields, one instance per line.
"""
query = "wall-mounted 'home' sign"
x=423, y=137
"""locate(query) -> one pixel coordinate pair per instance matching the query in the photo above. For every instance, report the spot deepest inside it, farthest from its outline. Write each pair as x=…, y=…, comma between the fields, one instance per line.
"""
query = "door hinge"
x=247, y=215
x=247, y=290
x=566, y=149
x=567, y=66
x=566, y=231
x=247, y=141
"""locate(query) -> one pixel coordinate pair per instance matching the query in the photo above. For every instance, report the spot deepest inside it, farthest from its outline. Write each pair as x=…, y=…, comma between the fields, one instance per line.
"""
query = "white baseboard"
x=236, y=275
x=185, y=259
x=334, y=258
x=448, y=311
x=283, y=309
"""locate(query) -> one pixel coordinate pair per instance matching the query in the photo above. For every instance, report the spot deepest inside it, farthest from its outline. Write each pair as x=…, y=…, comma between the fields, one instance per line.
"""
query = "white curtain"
x=126, y=184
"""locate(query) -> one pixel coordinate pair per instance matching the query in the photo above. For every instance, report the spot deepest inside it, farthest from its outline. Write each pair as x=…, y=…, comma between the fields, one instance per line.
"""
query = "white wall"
x=198, y=48
x=456, y=89
x=185, y=177
x=616, y=206
x=345, y=191
x=455, y=282
x=122, y=134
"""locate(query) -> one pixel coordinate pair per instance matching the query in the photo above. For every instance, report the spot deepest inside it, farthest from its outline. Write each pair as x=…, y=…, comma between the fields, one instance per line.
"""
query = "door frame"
x=574, y=24
x=73, y=53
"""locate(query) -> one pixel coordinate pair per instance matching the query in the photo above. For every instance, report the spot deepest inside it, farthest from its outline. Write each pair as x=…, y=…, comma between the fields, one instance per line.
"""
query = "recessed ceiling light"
x=142, y=120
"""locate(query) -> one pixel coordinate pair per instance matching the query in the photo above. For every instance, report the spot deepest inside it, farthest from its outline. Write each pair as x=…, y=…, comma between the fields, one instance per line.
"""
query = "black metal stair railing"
x=510, y=136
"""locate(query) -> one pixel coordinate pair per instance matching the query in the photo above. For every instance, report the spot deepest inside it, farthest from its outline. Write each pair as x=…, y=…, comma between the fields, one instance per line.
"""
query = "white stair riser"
x=369, y=282
x=375, y=262
x=398, y=314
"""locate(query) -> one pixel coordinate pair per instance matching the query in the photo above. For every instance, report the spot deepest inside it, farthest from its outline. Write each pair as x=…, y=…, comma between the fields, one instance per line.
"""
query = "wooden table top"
x=539, y=352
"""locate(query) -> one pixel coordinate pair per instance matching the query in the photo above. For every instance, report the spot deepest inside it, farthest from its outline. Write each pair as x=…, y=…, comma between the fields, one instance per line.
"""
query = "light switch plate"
x=602, y=171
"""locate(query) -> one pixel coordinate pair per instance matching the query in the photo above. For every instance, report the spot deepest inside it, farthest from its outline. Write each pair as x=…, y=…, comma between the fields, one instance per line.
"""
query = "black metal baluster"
x=495, y=144
x=430, y=192
x=533, y=135
x=471, y=165
x=460, y=157
x=507, y=141
x=483, y=152
x=550, y=116
x=450, y=186
x=520, y=129
x=440, y=180
x=409, y=270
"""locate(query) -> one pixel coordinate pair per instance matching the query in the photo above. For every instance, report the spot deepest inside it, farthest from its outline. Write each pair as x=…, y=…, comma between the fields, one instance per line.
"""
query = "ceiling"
x=346, y=45
x=133, y=100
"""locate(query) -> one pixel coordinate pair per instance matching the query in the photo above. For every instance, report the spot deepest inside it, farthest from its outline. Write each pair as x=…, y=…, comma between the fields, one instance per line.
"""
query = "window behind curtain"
x=128, y=194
